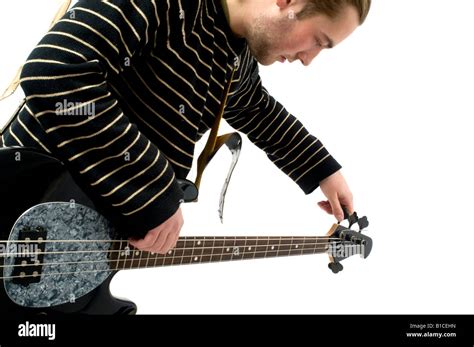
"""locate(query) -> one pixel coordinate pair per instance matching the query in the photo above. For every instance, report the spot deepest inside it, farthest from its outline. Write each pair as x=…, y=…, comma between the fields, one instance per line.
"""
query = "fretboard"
x=192, y=250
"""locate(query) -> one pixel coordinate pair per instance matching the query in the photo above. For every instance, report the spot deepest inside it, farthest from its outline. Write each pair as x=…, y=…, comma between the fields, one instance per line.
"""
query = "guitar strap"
x=232, y=140
x=214, y=142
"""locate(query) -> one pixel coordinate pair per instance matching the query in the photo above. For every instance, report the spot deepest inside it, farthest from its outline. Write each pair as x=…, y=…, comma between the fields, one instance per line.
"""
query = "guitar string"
x=171, y=255
x=7, y=254
x=145, y=267
x=27, y=253
x=186, y=238
x=132, y=259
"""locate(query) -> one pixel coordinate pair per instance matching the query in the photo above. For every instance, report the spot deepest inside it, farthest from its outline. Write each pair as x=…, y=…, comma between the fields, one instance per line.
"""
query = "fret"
x=137, y=257
x=273, y=247
x=309, y=244
x=132, y=255
x=171, y=257
x=165, y=259
x=155, y=258
x=125, y=254
x=301, y=248
x=111, y=256
x=207, y=249
x=181, y=253
x=142, y=259
x=135, y=261
x=175, y=255
x=316, y=246
x=237, y=248
x=267, y=246
x=147, y=259
x=261, y=250
x=250, y=248
x=322, y=245
x=131, y=258
x=227, y=252
x=159, y=259
x=178, y=251
x=115, y=255
x=285, y=246
x=296, y=245
x=218, y=251
x=213, y=250
x=126, y=260
x=188, y=250
x=198, y=249
x=278, y=247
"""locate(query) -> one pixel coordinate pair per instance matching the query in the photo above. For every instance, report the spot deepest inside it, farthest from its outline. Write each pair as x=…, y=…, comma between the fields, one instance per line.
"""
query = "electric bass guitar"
x=60, y=255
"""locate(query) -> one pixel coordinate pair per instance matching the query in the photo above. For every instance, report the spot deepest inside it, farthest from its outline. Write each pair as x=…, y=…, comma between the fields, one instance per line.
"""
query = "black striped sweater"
x=121, y=90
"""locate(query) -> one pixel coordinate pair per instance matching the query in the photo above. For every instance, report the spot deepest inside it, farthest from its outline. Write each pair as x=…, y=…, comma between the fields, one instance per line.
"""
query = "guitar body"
x=41, y=277
x=98, y=302
x=59, y=254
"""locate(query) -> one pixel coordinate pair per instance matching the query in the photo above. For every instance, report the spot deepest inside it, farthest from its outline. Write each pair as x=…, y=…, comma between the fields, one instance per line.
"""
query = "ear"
x=282, y=4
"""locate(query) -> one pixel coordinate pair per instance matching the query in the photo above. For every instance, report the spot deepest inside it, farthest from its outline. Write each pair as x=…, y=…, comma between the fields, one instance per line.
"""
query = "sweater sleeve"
x=65, y=83
x=287, y=143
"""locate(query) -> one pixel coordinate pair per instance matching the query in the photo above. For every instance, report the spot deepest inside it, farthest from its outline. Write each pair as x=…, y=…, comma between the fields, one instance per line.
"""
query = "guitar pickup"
x=28, y=254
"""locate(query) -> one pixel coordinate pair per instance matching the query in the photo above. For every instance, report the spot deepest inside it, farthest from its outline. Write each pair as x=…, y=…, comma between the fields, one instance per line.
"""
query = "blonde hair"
x=332, y=8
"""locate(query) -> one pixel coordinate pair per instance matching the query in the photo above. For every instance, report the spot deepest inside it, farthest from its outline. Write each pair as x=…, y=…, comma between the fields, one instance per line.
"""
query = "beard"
x=265, y=38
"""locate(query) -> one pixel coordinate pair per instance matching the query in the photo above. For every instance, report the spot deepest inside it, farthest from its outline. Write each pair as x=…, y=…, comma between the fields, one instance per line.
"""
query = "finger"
x=325, y=206
x=175, y=240
x=169, y=243
x=336, y=209
x=348, y=204
x=146, y=242
x=160, y=241
x=175, y=235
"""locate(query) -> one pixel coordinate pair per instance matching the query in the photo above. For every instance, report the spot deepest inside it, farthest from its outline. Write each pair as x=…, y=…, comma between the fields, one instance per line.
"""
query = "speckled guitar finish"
x=67, y=269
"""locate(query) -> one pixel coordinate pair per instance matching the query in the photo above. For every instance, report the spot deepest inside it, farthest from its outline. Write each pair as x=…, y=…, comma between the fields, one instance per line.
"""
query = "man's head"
x=291, y=30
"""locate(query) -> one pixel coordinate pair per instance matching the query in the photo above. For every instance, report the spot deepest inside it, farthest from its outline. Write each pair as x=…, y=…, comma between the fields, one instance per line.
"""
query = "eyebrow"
x=329, y=41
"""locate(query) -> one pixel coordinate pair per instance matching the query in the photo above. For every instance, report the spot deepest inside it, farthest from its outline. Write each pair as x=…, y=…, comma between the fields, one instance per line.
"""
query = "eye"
x=318, y=43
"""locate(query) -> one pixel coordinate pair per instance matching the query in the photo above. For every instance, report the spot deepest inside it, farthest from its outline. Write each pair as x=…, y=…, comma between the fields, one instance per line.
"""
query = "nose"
x=307, y=57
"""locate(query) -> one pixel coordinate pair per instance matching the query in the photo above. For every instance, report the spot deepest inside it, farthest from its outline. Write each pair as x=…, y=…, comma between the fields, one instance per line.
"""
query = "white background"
x=394, y=105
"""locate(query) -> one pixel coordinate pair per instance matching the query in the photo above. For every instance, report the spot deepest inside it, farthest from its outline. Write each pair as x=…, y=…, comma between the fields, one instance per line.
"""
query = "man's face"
x=281, y=36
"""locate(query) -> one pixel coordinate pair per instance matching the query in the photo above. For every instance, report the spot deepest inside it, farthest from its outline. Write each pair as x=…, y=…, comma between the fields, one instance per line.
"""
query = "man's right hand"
x=162, y=238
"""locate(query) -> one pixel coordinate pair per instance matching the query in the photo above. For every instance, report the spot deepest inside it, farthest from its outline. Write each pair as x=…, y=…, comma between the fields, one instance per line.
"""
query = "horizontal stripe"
x=153, y=74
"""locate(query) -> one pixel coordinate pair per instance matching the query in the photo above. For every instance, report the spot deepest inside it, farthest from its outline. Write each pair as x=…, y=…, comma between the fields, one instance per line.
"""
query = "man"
x=120, y=91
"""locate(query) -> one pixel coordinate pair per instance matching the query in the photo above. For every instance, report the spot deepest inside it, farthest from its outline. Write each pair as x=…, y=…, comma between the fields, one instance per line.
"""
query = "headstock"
x=345, y=242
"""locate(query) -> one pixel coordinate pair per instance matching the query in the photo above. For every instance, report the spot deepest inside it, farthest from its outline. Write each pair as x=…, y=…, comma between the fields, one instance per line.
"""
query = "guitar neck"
x=192, y=250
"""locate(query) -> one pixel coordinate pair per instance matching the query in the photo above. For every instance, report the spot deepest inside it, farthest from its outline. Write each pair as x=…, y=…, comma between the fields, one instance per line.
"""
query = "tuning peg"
x=335, y=267
x=351, y=218
x=346, y=213
x=363, y=223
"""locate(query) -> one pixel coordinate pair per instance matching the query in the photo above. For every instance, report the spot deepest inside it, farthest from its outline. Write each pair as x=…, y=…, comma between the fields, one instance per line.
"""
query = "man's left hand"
x=338, y=194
